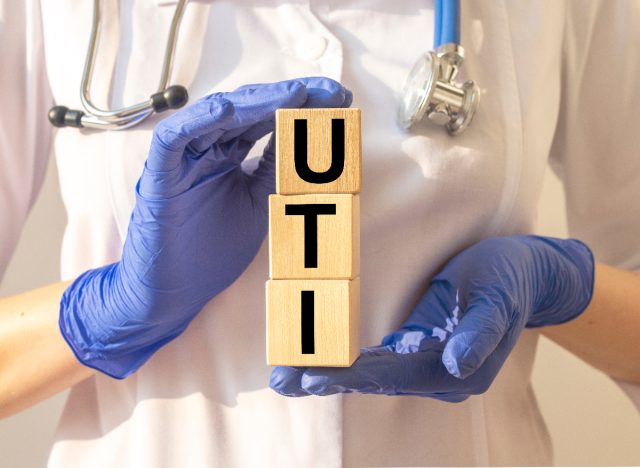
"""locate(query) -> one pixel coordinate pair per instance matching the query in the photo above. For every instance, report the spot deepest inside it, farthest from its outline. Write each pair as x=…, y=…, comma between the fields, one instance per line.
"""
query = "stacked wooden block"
x=313, y=295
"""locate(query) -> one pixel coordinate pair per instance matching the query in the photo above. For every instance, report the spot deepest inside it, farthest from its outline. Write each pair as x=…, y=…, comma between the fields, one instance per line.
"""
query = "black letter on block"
x=306, y=322
x=300, y=156
x=311, y=213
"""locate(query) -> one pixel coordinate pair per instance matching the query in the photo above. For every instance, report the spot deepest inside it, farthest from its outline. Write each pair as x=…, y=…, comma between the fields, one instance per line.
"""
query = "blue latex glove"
x=462, y=330
x=198, y=222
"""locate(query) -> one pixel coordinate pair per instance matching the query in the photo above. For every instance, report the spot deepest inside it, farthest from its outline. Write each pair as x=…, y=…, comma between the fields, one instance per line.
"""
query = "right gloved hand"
x=198, y=222
x=461, y=332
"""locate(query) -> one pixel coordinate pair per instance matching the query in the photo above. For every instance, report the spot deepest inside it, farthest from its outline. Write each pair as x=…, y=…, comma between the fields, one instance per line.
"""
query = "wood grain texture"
x=336, y=322
x=337, y=243
x=319, y=150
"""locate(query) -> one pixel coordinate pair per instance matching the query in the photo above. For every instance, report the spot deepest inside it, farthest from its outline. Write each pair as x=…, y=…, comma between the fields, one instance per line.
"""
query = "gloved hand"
x=462, y=330
x=198, y=222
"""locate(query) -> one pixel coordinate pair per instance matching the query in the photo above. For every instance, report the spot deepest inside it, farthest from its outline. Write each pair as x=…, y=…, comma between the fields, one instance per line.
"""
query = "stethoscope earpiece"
x=174, y=97
x=61, y=116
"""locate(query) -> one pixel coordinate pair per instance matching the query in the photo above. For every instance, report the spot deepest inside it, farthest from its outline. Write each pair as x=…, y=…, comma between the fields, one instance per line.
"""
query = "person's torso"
x=203, y=400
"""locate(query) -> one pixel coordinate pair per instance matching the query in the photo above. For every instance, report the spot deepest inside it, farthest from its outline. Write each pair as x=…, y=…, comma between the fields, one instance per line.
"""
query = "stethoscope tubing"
x=135, y=111
x=171, y=97
x=446, y=28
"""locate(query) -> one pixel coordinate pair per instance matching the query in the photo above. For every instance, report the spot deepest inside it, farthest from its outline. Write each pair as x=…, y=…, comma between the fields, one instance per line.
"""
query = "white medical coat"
x=559, y=83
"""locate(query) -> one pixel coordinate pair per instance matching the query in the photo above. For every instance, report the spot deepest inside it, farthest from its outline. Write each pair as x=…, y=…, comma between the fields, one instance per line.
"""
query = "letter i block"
x=313, y=322
x=314, y=236
x=318, y=151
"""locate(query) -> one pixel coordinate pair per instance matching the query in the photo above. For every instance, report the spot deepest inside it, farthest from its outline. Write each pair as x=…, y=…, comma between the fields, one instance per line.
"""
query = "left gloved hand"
x=200, y=218
x=462, y=330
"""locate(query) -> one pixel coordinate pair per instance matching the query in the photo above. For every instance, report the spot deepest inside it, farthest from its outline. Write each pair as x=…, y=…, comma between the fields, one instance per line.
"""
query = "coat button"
x=311, y=47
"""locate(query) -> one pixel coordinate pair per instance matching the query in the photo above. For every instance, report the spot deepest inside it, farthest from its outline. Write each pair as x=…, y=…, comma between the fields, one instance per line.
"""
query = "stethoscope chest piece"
x=431, y=90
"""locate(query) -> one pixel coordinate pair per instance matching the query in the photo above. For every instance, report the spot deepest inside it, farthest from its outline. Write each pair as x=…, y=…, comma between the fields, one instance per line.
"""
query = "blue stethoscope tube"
x=446, y=28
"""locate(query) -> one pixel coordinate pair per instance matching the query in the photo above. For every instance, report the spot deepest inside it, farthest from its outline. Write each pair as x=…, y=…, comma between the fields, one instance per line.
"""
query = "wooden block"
x=313, y=322
x=307, y=241
x=318, y=151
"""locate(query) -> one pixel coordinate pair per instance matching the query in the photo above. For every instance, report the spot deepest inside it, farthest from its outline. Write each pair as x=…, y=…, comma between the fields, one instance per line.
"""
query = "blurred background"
x=591, y=421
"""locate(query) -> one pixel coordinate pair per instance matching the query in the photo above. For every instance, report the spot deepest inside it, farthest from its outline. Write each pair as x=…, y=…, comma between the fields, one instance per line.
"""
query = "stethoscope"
x=430, y=89
x=167, y=97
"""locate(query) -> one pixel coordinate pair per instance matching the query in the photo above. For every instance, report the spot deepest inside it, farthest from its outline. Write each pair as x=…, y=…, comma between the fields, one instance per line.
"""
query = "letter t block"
x=314, y=236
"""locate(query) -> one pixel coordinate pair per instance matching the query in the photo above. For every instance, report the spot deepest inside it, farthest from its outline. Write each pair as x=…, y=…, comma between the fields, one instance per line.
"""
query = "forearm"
x=35, y=360
x=607, y=333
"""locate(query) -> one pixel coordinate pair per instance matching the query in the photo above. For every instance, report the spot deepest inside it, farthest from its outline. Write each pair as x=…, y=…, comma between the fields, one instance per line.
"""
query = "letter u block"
x=318, y=151
x=313, y=322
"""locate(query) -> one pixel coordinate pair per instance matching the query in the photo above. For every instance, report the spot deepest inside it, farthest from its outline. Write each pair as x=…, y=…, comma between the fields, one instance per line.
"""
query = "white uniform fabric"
x=546, y=70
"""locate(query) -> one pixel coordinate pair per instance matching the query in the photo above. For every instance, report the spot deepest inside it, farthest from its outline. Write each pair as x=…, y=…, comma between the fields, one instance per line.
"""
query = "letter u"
x=300, y=150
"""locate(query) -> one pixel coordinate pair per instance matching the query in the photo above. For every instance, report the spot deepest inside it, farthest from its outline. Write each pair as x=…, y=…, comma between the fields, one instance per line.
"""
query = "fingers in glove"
x=384, y=372
x=172, y=134
x=432, y=319
x=378, y=371
x=286, y=381
x=254, y=106
x=481, y=329
x=262, y=182
x=321, y=93
x=324, y=93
